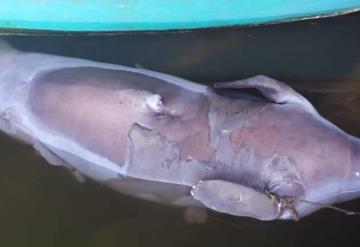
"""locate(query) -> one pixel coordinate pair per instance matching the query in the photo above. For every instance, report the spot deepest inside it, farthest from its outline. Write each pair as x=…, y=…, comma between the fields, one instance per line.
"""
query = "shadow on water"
x=44, y=206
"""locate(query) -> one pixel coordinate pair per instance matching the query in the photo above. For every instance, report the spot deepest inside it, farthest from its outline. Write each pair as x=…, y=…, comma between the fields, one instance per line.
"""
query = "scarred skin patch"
x=106, y=101
x=192, y=134
x=262, y=136
x=163, y=160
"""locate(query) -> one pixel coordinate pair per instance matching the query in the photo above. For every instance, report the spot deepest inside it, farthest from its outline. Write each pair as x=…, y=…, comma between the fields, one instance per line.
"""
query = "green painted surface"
x=133, y=15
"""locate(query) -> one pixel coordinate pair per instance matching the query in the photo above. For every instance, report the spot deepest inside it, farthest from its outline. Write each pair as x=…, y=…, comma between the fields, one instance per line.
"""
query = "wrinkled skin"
x=169, y=140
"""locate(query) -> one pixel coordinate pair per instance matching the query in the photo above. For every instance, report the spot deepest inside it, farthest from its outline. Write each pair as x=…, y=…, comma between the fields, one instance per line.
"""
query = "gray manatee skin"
x=169, y=140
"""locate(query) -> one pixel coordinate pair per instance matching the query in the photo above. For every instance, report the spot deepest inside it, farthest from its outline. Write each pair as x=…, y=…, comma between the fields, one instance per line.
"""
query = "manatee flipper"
x=55, y=160
x=275, y=91
x=235, y=199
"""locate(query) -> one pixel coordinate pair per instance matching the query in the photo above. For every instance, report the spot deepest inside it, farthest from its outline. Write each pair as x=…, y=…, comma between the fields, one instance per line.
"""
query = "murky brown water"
x=42, y=205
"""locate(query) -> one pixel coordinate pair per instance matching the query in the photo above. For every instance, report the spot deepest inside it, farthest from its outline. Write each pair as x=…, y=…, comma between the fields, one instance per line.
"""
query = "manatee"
x=169, y=140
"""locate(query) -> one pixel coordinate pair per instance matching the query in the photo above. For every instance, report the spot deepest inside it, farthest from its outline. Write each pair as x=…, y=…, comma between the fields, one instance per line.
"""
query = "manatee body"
x=166, y=139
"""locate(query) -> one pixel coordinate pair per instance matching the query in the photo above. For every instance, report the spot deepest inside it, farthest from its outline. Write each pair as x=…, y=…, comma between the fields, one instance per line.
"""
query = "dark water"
x=42, y=205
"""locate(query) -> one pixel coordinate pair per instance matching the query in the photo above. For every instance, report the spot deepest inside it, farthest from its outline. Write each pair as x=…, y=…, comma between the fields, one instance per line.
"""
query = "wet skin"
x=169, y=140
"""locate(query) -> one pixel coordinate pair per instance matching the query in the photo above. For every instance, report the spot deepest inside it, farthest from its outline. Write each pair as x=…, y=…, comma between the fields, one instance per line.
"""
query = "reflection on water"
x=44, y=206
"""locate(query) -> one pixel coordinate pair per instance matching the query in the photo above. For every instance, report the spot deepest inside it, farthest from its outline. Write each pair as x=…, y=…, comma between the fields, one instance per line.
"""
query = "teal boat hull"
x=156, y=15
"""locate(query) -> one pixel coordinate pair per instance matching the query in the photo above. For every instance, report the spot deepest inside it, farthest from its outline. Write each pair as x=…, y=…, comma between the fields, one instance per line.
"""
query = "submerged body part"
x=169, y=140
